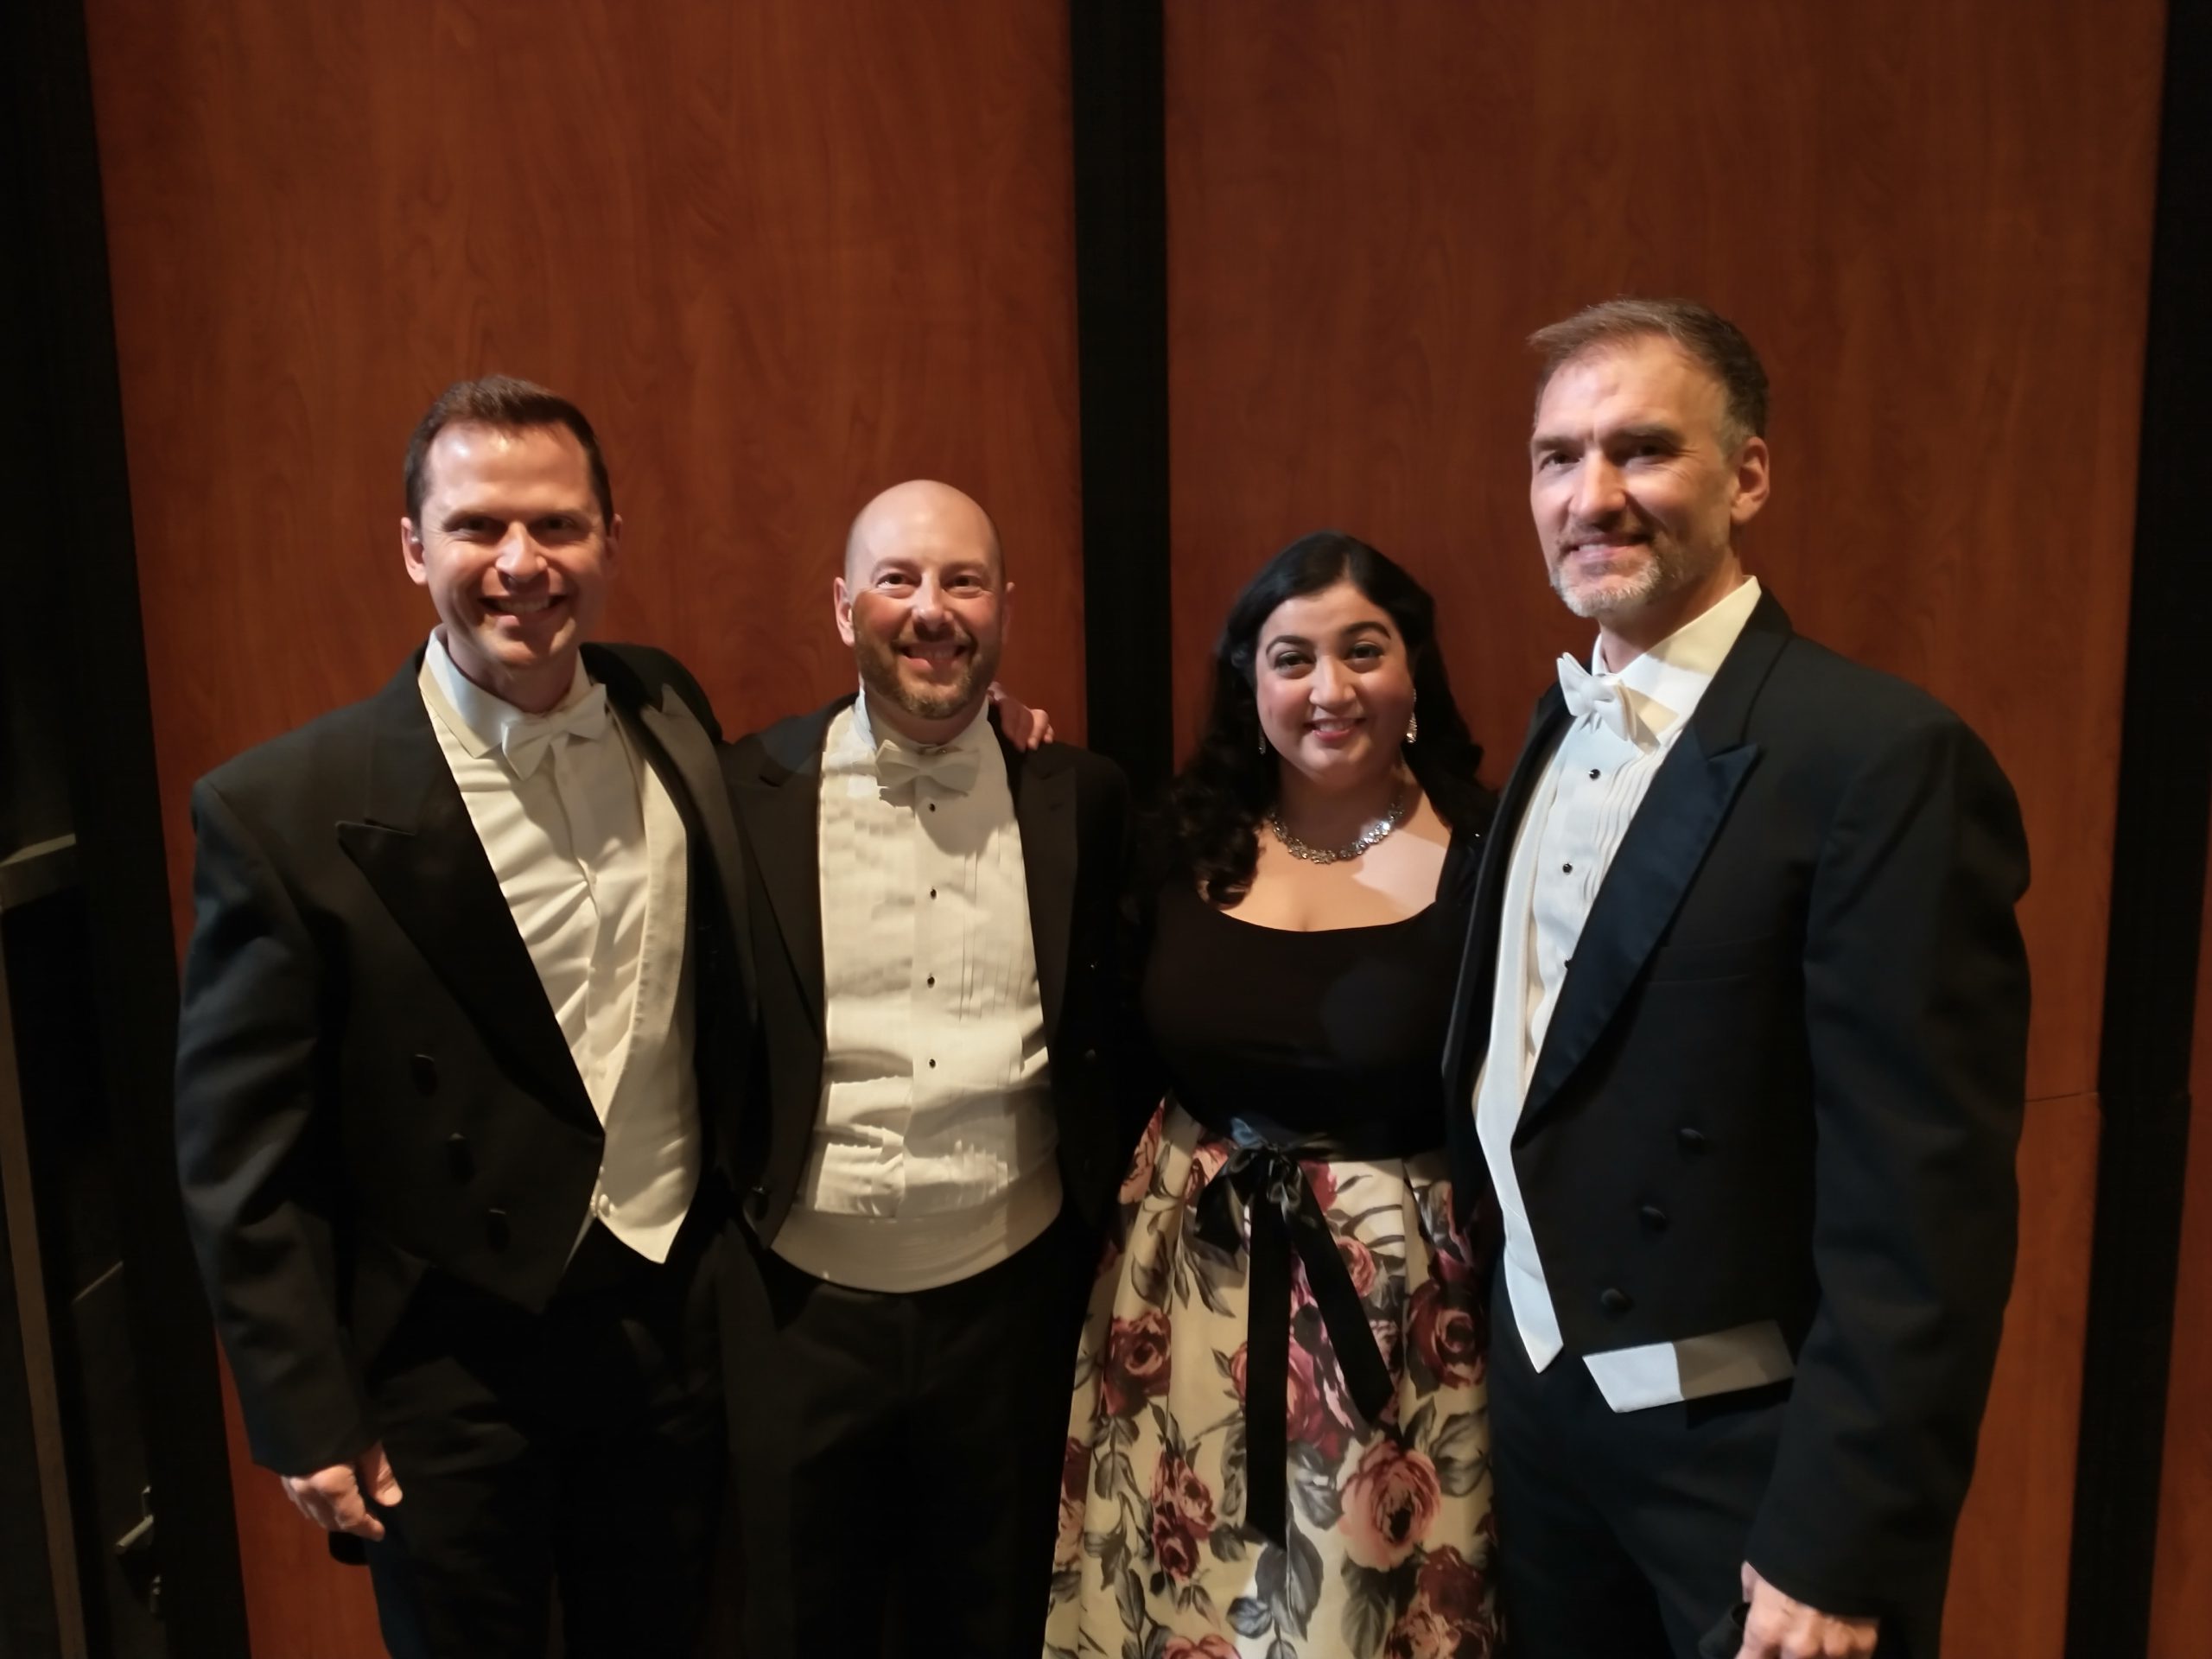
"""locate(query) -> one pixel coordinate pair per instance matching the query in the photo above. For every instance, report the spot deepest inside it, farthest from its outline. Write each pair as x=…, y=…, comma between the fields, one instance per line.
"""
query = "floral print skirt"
x=1388, y=1550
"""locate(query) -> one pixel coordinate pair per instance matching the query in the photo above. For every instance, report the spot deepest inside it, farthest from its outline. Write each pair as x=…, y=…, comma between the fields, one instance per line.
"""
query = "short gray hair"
x=1709, y=339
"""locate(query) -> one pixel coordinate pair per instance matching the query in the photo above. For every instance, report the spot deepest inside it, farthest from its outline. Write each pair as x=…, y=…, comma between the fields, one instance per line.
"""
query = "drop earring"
x=1413, y=727
x=1263, y=742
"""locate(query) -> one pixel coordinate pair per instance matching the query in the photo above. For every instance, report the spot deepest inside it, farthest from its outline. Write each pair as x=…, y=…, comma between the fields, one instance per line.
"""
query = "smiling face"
x=1637, y=488
x=922, y=604
x=513, y=550
x=1334, y=685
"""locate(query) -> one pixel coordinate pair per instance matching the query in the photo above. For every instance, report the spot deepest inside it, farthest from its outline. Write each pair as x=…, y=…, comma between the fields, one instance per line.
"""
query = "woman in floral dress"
x=1279, y=1446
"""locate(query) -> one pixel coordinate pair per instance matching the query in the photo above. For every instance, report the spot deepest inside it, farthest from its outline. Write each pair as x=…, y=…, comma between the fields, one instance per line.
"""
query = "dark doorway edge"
x=2158, y=895
x=94, y=652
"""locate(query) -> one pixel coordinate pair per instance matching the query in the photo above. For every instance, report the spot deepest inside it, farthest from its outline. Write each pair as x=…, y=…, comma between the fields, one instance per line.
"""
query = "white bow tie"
x=1598, y=696
x=531, y=739
x=952, y=769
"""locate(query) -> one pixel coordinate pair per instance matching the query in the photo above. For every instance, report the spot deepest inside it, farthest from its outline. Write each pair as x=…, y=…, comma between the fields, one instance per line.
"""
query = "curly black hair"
x=1207, y=828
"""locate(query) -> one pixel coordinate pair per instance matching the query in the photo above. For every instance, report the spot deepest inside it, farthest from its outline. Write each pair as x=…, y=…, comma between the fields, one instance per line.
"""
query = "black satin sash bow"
x=1267, y=1180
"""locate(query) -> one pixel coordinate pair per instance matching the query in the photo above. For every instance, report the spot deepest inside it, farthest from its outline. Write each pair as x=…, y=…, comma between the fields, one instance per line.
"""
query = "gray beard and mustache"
x=878, y=666
x=1666, y=571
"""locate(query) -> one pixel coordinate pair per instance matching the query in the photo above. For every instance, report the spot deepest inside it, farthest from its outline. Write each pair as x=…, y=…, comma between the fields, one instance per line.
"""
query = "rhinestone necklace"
x=1366, y=838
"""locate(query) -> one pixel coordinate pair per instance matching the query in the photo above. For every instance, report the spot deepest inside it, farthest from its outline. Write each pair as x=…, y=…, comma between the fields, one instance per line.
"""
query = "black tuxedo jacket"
x=1783, y=1081
x=1072, y=810
x=370, y=1080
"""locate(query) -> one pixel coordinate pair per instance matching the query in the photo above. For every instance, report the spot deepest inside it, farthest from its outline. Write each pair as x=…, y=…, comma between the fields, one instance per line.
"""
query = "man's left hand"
x=1781, y=1627
x=1024, y=728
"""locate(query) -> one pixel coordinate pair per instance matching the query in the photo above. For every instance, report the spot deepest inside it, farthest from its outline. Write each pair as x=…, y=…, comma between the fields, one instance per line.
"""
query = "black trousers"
x=1624, y=1532
x=575, y=1454
x=898, y=1457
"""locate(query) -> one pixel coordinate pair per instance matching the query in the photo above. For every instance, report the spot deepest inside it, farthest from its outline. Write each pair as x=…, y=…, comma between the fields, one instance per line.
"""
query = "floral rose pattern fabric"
x=1388, y=1551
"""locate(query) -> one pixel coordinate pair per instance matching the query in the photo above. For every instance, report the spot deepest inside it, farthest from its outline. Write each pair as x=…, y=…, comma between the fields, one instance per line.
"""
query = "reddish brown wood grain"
x=1944, y=266
x=2009, y=1573
x=785, y=254
x=2181, y=1600
x=1934, y=221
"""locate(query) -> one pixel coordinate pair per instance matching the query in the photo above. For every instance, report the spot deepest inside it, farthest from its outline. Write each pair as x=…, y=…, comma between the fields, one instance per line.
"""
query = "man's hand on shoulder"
x=331, y=1497
x=1024, y=728
x=1780, y=1627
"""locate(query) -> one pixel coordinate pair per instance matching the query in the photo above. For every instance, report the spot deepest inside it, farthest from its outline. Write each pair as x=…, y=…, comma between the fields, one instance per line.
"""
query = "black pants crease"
x=897, y=1457
x=574, y=1456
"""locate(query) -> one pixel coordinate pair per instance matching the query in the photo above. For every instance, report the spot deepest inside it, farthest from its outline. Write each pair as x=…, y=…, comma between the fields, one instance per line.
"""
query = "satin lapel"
x=419, y=850
x=1470, y=1005
x=1659, y=857
x=685, y=749
x=778, y=808
x=1043, y=786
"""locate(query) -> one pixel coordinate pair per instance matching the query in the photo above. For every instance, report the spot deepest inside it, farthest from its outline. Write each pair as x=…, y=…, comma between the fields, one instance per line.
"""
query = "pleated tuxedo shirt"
x=933, y=1150
x=590, y=853
x=1575, y=822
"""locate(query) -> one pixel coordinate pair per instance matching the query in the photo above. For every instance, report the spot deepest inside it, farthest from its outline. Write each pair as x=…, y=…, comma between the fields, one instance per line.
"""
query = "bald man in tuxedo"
x=937, y=1130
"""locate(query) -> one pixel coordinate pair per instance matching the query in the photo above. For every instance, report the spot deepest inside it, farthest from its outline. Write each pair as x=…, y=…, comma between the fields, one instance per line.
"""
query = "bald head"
x=922, y=602
x=921, y=513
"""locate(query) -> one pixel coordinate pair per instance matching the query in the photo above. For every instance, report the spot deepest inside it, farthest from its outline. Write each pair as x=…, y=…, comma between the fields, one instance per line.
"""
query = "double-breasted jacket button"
x=1614, y=1300
x=1654, y=1218
x=424, y=1070
x=1692, y=1140
x=460, y=1159
x=496, y=1231
x=1091, y=1057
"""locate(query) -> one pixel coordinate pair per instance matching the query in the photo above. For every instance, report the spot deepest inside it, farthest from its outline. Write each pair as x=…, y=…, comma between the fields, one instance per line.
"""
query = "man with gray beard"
x=933, y=1140
x=1741, y=1055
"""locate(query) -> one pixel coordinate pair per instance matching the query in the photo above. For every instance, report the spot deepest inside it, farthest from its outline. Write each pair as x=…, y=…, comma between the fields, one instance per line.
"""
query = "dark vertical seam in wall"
x=1117, y=68
x=2158, y=895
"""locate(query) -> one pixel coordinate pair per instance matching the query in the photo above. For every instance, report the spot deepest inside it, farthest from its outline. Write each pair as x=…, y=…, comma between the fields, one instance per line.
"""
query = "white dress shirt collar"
x=973, y=735
x=1664, y=683
x=477, y=719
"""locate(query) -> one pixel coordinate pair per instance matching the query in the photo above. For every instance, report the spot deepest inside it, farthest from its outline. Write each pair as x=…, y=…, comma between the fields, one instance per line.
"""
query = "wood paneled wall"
x=1934, y=221
x=2180, y=1601
x=783, y=253
x=788, y=252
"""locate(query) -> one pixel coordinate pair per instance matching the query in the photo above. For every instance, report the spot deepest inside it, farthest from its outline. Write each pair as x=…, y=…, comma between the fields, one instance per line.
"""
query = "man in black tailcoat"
x=462, y=1005
x=1741, y=1051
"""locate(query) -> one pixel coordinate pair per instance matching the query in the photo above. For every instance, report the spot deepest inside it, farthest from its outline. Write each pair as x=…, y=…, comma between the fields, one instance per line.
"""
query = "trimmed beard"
x=880, y=674
x=1663, y=572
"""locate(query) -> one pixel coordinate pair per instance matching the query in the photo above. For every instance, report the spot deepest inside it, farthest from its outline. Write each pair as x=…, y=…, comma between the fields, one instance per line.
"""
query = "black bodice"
x=1330, y=1037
